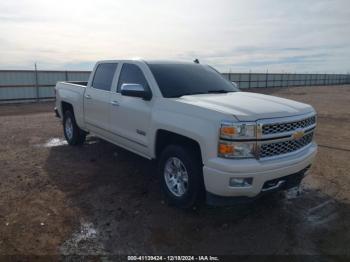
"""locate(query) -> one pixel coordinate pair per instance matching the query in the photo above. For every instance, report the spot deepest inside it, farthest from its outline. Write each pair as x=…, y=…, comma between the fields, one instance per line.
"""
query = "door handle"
x=87, y=96
x=114, y=103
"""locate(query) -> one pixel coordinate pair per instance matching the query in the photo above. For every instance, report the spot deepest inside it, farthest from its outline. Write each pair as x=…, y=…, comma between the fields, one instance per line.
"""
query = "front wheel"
x=180, y=171
x=73, y=134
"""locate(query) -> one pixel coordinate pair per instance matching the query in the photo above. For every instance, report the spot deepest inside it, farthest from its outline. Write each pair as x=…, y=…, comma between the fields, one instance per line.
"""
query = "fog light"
x=241, y=182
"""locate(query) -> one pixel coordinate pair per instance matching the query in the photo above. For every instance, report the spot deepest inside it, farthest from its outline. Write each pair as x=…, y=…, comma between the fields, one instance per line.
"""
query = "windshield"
x=175, y=80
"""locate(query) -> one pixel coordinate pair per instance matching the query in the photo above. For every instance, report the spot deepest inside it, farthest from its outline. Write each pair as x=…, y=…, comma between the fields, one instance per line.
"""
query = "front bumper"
x=218, y=172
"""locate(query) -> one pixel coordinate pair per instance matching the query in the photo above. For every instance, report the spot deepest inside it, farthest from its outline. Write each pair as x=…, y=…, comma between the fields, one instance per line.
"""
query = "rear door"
x=97, y=98
x=131, y=116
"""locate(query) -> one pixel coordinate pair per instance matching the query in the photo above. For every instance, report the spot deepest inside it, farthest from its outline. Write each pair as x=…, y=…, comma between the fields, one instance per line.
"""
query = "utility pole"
x=36, y=82
x=250, y=73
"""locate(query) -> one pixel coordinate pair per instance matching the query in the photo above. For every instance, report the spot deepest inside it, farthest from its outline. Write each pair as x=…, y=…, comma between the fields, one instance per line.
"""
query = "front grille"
x=268, y=129
x=279, y=148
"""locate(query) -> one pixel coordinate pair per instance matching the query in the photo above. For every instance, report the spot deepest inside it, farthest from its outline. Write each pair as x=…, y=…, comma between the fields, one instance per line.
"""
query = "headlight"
x=237, y=131
x=229, y=149
x=232, y=130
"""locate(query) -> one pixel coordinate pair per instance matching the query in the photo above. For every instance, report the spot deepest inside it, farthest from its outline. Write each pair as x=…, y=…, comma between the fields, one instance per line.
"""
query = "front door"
x=130, y=116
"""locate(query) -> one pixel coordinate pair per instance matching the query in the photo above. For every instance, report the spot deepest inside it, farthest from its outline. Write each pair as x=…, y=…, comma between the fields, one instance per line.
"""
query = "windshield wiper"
x=221, y=91
x=193, y=93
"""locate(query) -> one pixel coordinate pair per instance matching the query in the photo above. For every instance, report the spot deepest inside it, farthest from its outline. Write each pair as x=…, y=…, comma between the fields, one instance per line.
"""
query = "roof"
x=167, y=62
x=148, y=61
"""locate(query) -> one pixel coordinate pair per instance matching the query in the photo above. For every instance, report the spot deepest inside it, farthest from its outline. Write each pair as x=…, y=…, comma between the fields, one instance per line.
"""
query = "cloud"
x=239, y=35
x=285, y=60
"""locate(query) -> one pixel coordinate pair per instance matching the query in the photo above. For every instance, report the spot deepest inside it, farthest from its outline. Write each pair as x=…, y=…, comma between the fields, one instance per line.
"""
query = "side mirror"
x=234, y=84
x=135, y=90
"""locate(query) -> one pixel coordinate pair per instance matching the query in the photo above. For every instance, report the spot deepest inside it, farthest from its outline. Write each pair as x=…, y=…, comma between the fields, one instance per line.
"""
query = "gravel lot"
x=100, y=199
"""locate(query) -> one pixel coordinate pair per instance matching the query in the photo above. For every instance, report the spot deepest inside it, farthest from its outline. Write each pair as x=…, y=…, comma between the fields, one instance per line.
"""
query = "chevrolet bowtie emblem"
x=298, y=134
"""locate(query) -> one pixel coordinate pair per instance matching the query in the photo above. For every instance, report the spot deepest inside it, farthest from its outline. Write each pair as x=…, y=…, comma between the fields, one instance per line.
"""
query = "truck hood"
x=247, y=106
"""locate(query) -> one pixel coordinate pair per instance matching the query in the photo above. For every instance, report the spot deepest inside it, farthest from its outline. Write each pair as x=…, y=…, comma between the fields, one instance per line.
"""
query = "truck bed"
x=72, y=93
x=81, y=83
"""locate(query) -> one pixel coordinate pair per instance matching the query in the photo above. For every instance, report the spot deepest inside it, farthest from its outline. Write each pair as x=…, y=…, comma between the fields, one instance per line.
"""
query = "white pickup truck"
x=212, y=141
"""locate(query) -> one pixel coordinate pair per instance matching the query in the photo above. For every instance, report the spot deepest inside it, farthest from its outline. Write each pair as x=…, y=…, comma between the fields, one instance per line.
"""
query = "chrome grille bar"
x=286, y=127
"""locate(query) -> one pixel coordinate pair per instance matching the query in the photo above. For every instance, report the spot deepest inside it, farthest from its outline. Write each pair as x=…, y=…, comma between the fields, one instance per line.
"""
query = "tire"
x=73, y=134
x=190, y=164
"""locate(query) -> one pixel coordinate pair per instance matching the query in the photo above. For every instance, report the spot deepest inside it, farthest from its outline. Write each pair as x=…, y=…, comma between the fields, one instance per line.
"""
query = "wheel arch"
x=65, y=106
x=165, y=138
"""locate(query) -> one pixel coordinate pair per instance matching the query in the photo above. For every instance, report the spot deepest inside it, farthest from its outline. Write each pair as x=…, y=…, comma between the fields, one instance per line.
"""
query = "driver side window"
x=131, y=74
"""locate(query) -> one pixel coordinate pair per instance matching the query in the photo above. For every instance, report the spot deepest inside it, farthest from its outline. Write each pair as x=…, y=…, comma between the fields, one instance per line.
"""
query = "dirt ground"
x=100, y=199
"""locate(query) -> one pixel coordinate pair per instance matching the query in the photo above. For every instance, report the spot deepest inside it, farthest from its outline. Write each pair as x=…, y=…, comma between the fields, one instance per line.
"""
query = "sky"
x=300, y=36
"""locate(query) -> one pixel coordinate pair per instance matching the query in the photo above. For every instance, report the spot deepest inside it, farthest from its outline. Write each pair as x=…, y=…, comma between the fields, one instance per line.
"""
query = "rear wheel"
x=73, y=134
x=181, y=176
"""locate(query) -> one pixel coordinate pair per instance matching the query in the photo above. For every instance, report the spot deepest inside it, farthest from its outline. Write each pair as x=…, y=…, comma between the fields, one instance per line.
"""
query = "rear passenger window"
x=104, y=76
x=131, y=74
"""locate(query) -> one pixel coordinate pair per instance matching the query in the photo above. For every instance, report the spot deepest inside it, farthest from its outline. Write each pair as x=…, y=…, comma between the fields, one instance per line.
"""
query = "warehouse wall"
x=27, y=85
